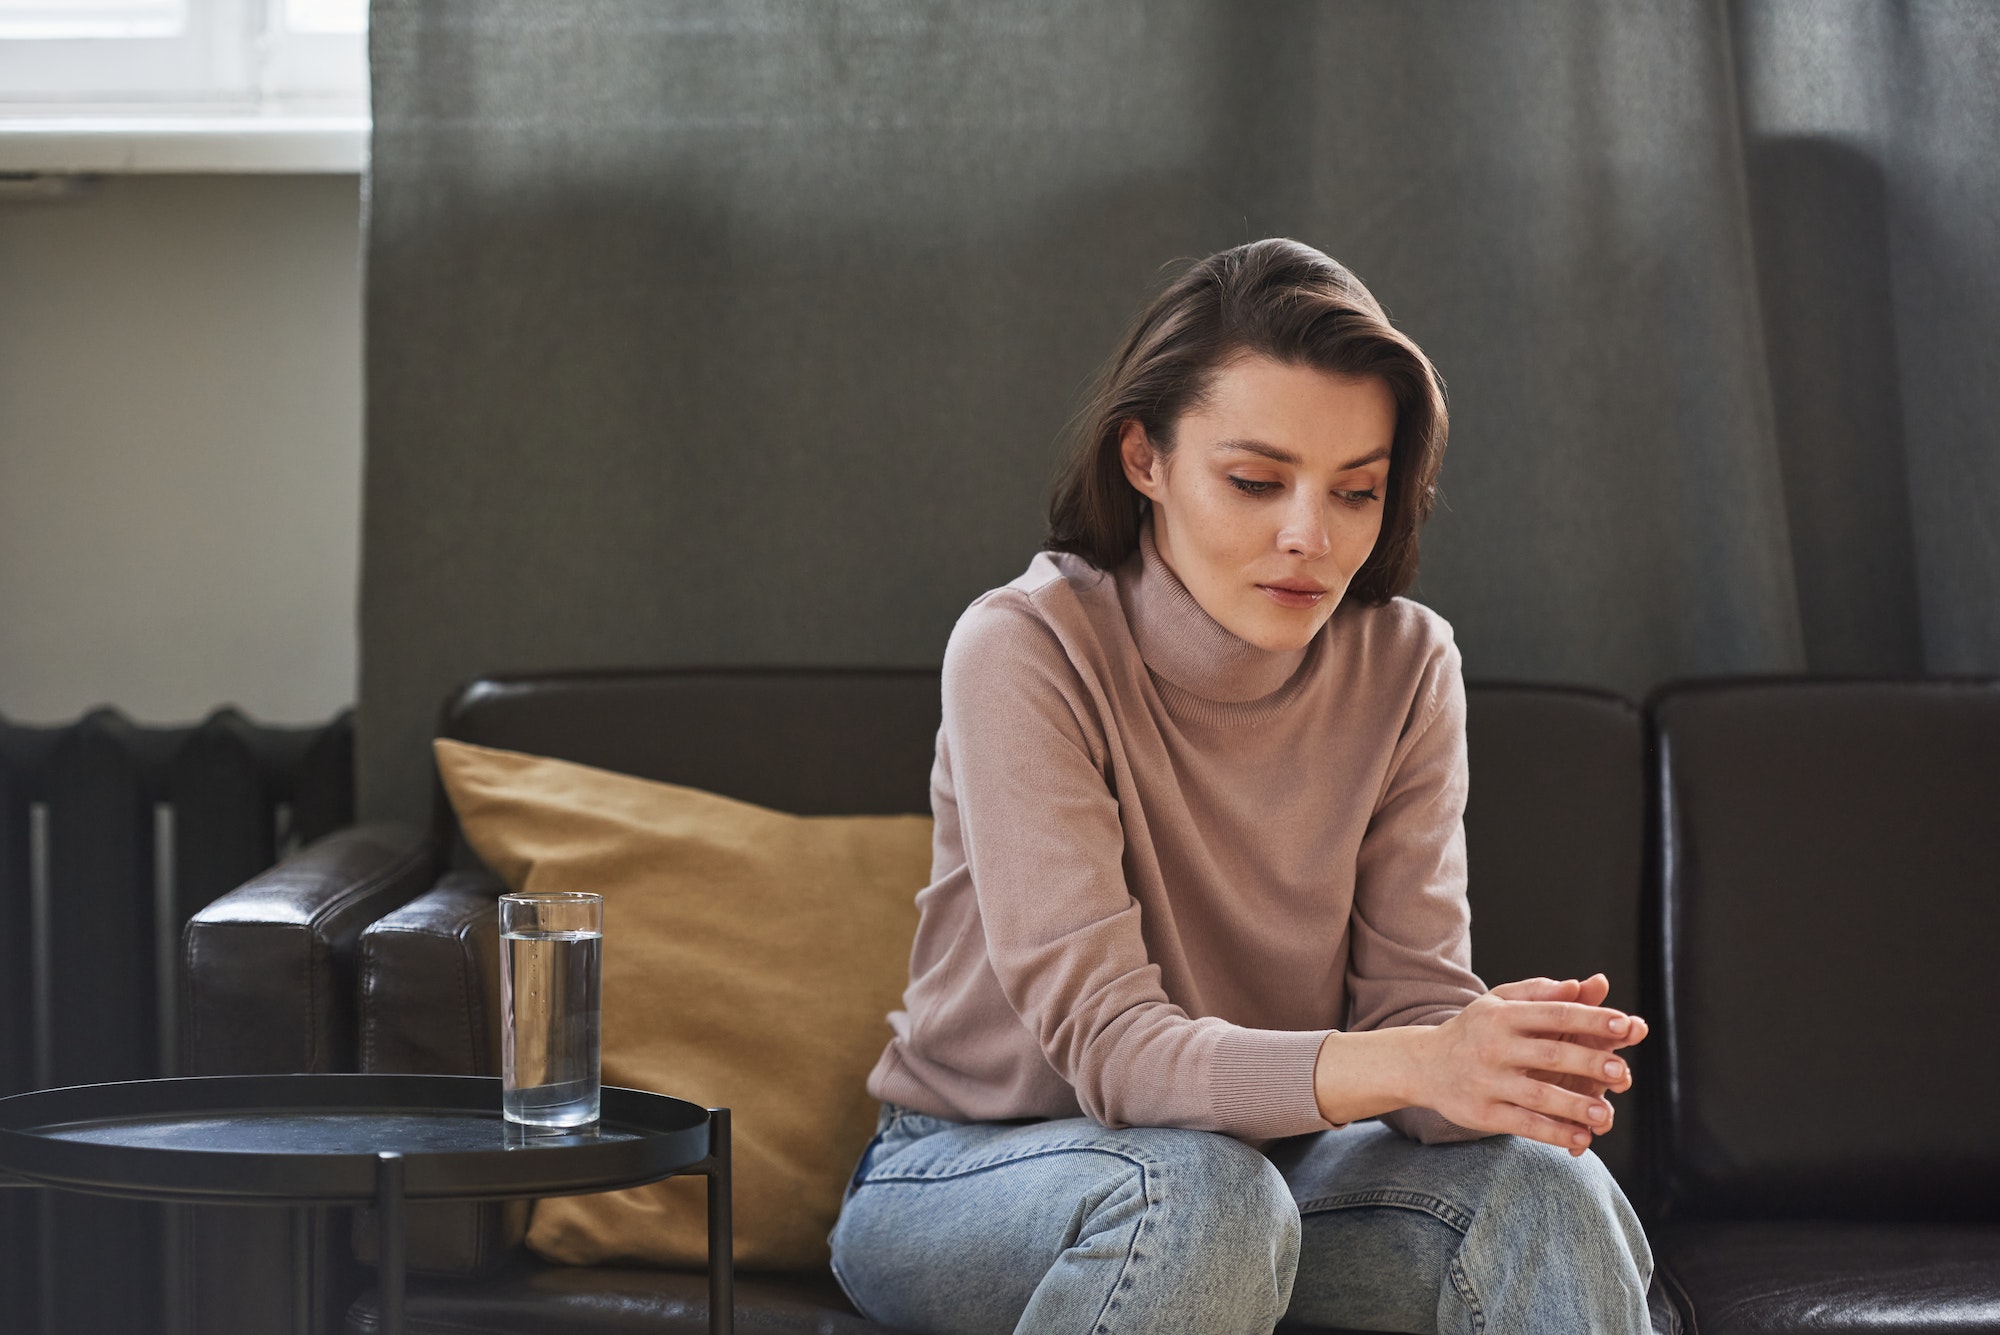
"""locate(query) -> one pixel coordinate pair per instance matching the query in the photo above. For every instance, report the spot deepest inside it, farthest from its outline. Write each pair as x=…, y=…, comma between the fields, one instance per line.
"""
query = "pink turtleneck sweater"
x=1167, y=863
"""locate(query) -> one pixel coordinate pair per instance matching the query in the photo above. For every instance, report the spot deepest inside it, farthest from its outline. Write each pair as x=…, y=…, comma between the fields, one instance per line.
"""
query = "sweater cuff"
x=1430, y=1127
x=1261, y=1082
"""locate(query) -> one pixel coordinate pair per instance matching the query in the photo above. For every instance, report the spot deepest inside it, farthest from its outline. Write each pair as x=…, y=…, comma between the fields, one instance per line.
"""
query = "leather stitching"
x=466, y=981
x=191, y=947
x=324, y=922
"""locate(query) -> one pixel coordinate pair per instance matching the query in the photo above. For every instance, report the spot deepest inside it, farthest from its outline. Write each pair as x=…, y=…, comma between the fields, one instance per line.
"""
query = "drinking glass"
x=551, y=990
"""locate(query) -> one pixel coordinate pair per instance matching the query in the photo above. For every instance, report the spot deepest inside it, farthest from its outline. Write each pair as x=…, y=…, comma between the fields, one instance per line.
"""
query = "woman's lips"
x=1299, y=597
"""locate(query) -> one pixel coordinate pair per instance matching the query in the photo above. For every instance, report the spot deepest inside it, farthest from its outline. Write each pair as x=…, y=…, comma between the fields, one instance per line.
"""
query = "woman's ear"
x=1143, y=463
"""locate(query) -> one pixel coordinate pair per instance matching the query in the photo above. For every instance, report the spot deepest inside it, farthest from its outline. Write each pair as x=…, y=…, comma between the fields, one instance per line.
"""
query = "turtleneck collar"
x=1186, y=648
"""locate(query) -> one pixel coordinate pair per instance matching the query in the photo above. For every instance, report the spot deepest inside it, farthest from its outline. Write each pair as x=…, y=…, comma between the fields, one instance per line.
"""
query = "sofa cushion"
x=750, y=958
x=1830, y=1278
x=532, y=1299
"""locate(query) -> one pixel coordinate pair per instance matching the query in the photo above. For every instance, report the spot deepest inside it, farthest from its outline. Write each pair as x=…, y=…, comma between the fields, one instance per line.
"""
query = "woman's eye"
x=1251, y=487
x=1358, y=497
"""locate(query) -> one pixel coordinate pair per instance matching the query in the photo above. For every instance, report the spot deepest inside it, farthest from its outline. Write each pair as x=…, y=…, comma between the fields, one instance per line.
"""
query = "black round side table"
x=376, y=1140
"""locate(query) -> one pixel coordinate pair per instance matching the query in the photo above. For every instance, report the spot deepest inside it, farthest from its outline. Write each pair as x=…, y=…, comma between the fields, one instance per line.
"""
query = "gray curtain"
x=717, y=332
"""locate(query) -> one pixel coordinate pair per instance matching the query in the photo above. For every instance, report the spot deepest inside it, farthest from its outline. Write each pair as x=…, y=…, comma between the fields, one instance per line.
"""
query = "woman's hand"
x=1533, y=1058
x=1590, y=991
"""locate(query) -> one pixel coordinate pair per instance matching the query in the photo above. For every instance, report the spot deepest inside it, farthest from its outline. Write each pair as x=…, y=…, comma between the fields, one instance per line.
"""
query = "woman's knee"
x=1574, y=1182
x=1228, y=1195
x=1147, y=1219
x=1576, y=1196
x=1218, y=1244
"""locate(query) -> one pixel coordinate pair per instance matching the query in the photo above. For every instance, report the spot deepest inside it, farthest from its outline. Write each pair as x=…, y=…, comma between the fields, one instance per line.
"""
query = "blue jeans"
x=1067, y=1227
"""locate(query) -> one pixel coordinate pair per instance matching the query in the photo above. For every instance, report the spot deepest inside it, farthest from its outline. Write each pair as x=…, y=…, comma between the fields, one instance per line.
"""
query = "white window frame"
x=233, y=91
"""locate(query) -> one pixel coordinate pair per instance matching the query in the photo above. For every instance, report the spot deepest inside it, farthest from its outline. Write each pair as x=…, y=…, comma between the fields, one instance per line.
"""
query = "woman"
x=1198, y=908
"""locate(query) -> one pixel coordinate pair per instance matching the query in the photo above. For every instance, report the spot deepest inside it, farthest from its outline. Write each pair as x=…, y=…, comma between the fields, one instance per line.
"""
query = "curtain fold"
x=730, y=333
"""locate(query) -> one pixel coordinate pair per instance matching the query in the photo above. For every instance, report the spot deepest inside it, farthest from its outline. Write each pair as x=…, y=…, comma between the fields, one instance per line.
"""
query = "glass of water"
x=551, y=989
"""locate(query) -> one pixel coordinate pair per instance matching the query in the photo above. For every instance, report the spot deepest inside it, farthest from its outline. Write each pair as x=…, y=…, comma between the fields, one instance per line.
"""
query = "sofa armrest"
x=430, y=1004
x=430, y=981
x=270, y=966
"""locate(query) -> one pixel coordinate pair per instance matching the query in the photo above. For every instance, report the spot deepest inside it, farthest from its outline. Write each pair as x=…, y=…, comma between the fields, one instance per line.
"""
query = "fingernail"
x=1613, y=1069
x=1580, y=1139
x=1598, y=1112
x=1618, y=1025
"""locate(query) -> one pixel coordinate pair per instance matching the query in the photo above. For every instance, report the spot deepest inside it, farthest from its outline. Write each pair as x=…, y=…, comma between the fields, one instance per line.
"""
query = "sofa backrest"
x=1555, y=826
x=811, y=741
x=1555, y=838
x=1829, y=914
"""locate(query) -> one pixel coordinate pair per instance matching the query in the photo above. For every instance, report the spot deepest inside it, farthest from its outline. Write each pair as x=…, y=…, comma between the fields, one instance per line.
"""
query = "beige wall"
x=180, y=447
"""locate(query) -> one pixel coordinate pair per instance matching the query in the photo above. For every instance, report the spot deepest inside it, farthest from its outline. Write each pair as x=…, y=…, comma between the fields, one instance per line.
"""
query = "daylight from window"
x=71, y=19
x=326, y=15
x=60, y=19
x=200, y=57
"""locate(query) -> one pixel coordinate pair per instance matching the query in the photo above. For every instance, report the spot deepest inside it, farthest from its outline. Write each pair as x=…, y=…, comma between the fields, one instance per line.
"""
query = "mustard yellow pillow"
x=750, y=958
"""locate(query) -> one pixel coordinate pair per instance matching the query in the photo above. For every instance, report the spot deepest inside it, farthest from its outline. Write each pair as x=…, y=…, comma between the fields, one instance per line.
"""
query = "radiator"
x=111, y=836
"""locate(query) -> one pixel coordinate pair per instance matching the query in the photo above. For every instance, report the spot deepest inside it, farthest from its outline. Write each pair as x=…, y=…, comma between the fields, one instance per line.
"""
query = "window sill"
x=91, y=140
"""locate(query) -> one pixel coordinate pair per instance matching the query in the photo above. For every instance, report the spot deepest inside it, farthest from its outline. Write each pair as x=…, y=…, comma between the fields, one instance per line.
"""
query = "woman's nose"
x=1304, y=533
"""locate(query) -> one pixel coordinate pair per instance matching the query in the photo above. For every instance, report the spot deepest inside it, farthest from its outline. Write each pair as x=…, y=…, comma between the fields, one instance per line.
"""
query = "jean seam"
x=1103, y=1323
x=1445, y=1212
x=1466, y=1294
x=855, y=1179
x=986, y=1165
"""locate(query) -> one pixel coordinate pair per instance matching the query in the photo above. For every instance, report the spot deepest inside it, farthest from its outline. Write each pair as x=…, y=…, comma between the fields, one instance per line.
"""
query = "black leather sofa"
x=1797, y=881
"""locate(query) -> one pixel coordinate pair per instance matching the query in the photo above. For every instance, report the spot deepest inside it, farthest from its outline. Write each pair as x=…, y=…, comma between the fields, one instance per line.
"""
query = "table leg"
x=305, y=1270
x=721, y=1229
x=389, y=1240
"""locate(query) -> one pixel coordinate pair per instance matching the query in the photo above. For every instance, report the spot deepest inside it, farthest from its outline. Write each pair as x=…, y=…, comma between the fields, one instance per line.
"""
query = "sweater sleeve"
x=1410, y=951
x=1045, y=846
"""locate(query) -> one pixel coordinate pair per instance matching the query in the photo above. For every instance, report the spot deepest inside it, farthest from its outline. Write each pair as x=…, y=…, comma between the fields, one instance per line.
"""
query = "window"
x=48, y=19
x=326, y=15
x=210, y=55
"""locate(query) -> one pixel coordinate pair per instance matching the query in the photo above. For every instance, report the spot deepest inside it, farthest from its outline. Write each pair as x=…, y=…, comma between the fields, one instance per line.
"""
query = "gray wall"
x=180, y=447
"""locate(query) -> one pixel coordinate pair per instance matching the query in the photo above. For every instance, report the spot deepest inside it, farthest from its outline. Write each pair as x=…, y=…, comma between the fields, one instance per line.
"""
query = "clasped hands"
x=1534, y=1058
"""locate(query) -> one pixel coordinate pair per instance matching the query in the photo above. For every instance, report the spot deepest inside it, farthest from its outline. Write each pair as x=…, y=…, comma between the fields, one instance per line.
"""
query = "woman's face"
x=1272, y=496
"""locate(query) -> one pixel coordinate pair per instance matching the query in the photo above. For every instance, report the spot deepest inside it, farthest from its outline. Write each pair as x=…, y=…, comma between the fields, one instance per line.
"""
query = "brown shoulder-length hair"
x=1283, y=300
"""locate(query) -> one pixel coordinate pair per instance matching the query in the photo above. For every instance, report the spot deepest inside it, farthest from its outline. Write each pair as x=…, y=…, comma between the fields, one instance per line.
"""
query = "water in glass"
x=550, y=983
